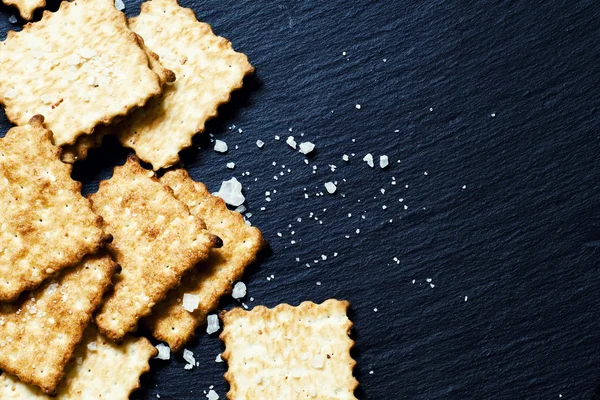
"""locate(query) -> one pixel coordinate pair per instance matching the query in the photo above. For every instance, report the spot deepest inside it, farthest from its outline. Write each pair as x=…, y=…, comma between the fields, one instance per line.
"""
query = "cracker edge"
x=183, y=178
x=26, y=14
x=133, y=37
x=228, y=317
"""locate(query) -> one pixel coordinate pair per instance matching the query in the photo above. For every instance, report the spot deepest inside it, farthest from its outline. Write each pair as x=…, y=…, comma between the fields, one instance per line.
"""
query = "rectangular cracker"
x=45, y=223
x=85, y=143
x=169, y=321
x=111, y=371
x=79, y=67
x=156, y=240
x=207, y=69
x=40, y=331
x=26, y=7
x=289, y=352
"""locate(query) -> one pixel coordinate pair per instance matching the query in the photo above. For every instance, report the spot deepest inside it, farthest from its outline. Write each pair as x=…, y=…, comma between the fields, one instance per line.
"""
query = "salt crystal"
x=306, y=147
x=230, y=165
x=220, y=146
x=12, y=19
x=345, y=157
x=164, y=352
x=219, y=359
x=212, y=324
x=92, y=346
x=358, y=106
x=331, y=188
x=260, y=143
x=189, y=357
x=239, y=290
x=119, y=5
x=383, y=161
x=190, y=302
x=291, y=142
x=231, y=192
x=212, y=395
x=369, y=160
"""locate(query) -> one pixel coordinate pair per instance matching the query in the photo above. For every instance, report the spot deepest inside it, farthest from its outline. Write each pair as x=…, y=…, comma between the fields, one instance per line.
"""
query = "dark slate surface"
x=497, y=101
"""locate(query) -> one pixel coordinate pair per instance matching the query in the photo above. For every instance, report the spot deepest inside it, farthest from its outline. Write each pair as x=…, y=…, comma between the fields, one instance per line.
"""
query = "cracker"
x=169, y=321
x=84, y=143
x=45, y=223
x=289, y=352
x=110, y=371
x=207, y=69
x=40, y=331
x=79, y=67
x=156, y=240
x=26, y=7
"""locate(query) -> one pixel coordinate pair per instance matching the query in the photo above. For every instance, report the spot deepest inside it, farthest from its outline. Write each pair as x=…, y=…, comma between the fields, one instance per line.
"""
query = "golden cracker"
x=40, y=331
x=169, y=321
x=45, y=223
x=289, y=352
x=207, y=69
x=110, y=371
x=85, y=143
x=156, y=240
x=26, y=7
x=79, y=67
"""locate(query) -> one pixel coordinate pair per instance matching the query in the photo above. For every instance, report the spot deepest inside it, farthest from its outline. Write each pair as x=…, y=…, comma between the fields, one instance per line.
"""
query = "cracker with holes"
x=45, y=223
x=78, y=67
x=289, y=352
x=100, y=369
x=26, y=7
x=84, y=143
x=156, y=240
x=207, y=70
x=39, y=332
x=170, y=321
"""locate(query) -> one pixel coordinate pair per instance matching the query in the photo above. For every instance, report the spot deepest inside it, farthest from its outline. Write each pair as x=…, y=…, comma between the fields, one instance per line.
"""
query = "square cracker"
x=169, y=321
x=45, y=223
x=84, y=143
x=26, y=7
x=79, y=67
x=289, y=352
x=40, y=331
x=156, y=240
x=207, y=69
x=100, y=369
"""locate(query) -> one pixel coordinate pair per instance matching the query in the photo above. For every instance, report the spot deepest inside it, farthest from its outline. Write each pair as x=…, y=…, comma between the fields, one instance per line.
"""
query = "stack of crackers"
x=79, y=275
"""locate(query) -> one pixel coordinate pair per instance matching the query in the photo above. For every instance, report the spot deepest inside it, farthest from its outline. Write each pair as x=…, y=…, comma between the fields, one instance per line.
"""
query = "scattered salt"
x=291, y=142
x=239, y=290
x=119, y=5
x=92, y=346
x=230, y=165
x=383, y=161
x=231, y=192
x=189, y=357
x=345, y=157
x=212, y=324
x=260, y=143
x=358, y=106
x=306, y=147
x=190, y=302
x=12, y=19
x=212, y=395
x=369, y=160
x=164, y=352
x=330, y=187
x=219, y=359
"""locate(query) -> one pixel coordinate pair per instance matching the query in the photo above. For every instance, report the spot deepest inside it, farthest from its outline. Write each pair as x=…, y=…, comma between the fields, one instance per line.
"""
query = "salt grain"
x=306, y=147
x=383, y=161
x=260, y=144
x=239, y=290
x=230, y=165
x=330, y=187
x=358, y=106
x=220, y=146
x=212, y=395
x=190, y=302
x=212, y=324
x=119, y=5
x=164, y=352
x=369, y=160
x=12, y=19
x=291, y=142
x=231, y=192
x=189, y=357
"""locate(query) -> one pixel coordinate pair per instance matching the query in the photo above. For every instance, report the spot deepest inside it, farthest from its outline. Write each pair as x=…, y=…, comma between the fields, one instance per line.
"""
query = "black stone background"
x=521, y=240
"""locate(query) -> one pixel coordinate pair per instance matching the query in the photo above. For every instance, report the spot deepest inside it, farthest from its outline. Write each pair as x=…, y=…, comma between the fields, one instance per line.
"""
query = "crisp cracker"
x=111, y=371
x=40, y=331
x=84, y=143
x=207, y=69
x=169, y=321
x=79, y=67
x=26, y=7
x=289, y=352
x=156, y=240
x=45, y=223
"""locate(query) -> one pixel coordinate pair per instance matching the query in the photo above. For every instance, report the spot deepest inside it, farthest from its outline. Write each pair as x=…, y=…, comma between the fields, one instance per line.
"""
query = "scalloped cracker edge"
x=289, y=352
x=169, y=321
x=84, y=143
x=45, y=223
x=155, y=241
x=100, y=369
x=39, y=333
x=207, y=69
x=80, y=67
x=26, y=8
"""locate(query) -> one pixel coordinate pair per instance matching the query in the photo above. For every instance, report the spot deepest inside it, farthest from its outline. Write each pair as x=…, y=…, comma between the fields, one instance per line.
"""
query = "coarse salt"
x=190, y=302
x=330, y=187
x=212, y=395
x=230, y=165
x=119, y=5
x=306, y=147
x=220, y=146
x=212, y=324
x=231, y=192
x=239, y=291
x=383, y=161
x=189, y=357
x=164, y=352
x=291, y=142
x=92, y=346
x=369, y=160
x=260, y=143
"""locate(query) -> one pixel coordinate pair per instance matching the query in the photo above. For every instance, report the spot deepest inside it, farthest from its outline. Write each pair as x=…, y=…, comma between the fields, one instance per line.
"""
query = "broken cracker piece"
x=289, y=352
x=207, y=69
x=100, y=369
x=45, y=223
x=84, y=143
x=79, y=67
x=156, y=240
x=169, y=321
x=26, y=7
x=40, y=331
